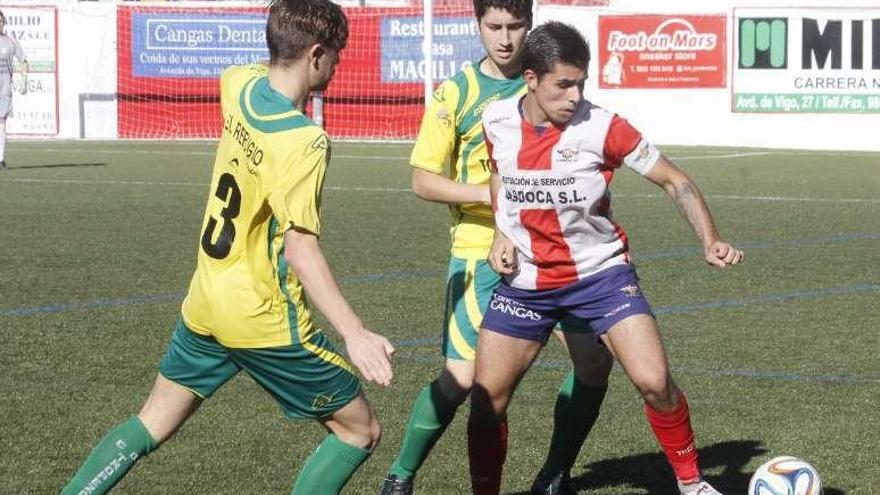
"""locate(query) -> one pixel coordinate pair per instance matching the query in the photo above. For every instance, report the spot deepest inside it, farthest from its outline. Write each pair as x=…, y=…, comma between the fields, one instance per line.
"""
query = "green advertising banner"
x=806, y=60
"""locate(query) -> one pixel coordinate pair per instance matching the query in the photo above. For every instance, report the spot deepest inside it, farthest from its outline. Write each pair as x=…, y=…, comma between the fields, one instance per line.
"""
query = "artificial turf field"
x=779, y=356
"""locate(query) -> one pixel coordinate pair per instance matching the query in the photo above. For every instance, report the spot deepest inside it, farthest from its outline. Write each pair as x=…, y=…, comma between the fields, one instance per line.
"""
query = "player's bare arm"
x=687, y=198
x=502, y=254
x=370, y=352
x=439, y=189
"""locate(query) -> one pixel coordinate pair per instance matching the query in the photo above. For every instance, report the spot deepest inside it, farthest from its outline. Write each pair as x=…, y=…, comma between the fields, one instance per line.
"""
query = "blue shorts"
x=595, y=303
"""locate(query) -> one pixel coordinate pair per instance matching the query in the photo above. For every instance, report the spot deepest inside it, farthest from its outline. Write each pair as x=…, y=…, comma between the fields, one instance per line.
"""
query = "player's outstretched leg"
x=636, y=343
x=501, y=362
x=114, y=455
x=354, y=433
x=577, y=407
x=433, y=410
x=166, y=409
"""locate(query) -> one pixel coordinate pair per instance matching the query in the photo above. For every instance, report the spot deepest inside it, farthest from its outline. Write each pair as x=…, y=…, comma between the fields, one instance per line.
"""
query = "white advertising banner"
x=806, y=60
x=35, y=112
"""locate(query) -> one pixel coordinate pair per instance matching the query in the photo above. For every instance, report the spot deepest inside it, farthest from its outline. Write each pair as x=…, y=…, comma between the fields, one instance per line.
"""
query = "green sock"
x=431, y=414
x=576, y=411
x=329, y=467
x=114, y=455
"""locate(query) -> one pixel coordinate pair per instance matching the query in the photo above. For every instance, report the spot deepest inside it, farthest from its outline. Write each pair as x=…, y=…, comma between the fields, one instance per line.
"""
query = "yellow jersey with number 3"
x=268, y=174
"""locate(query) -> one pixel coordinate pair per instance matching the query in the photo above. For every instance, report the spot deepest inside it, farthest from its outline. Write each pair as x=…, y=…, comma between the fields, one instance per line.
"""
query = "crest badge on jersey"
x=321, y=401
x=444, y=118
x=567, y=154
x=643, y=157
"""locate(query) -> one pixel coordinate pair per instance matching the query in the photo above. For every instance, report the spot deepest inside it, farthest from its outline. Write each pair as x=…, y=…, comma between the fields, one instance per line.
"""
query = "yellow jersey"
x=268, y=174
x=451, y=140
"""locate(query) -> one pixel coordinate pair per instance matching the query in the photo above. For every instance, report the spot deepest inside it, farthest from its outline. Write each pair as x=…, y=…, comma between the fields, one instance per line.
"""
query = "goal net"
x=170, y=59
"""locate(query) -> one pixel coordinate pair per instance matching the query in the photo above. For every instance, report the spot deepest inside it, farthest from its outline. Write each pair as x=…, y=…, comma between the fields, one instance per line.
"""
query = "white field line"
x=188, y=153
x=763, y=198
x=715, y=157
x=713, y=154
x=361, y=157
x=408, y=190
x=394, y=144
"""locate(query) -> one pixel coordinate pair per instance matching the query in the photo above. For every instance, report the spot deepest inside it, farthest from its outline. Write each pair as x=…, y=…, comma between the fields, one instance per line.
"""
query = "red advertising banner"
x=662, y=51
x=170, y=59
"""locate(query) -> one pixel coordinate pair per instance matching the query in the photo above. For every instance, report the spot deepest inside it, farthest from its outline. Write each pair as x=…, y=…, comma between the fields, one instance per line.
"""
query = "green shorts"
x=469, y=287
x=304, y=384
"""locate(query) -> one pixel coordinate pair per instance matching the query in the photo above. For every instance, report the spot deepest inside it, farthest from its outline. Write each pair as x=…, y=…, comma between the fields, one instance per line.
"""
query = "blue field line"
x=564, y=364
x=769, y=298
x=809, y=241
x=375, y=277
x=735, y=303
x=96, y=304
x=178, y=296
x=406, y=275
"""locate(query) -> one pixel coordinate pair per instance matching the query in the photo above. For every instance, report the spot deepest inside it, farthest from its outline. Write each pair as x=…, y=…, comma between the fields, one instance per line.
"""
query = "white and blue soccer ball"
x=785, y=475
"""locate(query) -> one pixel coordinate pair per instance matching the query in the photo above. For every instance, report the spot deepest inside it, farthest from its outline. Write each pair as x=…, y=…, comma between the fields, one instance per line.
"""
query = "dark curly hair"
x=519, y=8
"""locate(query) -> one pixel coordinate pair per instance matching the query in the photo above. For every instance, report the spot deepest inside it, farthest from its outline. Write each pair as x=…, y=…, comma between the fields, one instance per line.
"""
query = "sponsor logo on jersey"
x=249, y=146
x=500, y=119
x=513, y=308
x=478, y=110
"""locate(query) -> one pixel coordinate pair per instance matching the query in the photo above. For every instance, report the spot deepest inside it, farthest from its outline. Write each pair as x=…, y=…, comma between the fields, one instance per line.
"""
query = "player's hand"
x=371, y=354
x=721, y=254
x=502, y=255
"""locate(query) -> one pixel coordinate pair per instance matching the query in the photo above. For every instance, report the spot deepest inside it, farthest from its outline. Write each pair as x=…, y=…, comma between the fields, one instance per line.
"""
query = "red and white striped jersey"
x=555, y=203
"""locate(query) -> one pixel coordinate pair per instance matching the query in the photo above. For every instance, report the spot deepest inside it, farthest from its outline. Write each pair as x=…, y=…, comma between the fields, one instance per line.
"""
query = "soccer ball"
x=785, y=475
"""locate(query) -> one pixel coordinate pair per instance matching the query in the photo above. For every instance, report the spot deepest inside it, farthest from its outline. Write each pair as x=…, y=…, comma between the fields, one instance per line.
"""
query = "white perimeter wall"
x=87, y=64
x=703, y=116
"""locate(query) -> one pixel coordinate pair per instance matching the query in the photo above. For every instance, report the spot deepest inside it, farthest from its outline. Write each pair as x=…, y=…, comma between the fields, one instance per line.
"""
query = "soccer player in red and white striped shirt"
x=553, y=155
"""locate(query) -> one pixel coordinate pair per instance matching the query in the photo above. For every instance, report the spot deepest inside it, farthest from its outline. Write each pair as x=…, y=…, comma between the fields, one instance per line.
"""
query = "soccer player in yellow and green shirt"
x=258, y=256
x=450, y=166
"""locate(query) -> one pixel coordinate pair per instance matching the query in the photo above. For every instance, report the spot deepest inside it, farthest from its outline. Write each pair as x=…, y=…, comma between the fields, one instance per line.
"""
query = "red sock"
x=673, y=431
x=487, y=449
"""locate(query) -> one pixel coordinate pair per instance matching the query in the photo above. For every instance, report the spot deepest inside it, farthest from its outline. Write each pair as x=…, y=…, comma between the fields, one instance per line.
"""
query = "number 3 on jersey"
x=228, y=192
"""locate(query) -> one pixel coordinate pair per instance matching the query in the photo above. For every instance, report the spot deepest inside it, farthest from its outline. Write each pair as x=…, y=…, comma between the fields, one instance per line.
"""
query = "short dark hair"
x=295, y=25
x=519, y=8
x=552, y=43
